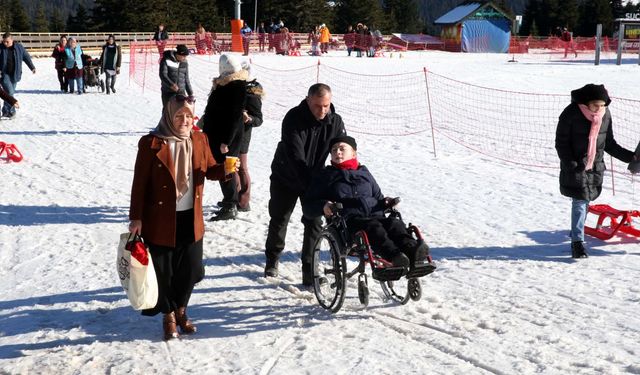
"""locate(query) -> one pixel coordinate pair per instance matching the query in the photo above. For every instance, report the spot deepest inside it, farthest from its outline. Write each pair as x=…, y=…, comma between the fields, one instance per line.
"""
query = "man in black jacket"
x=174, y=74
x=303, y=149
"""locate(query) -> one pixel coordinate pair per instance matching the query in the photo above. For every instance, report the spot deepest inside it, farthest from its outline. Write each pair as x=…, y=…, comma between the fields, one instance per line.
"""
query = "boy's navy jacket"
x=357, y=190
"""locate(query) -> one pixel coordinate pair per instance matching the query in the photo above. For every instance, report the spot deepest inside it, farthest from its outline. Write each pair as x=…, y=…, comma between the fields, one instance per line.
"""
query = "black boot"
x=271, y=268
x=578, y=250
x=227, y=212
x=421, y=254
x=400, y=260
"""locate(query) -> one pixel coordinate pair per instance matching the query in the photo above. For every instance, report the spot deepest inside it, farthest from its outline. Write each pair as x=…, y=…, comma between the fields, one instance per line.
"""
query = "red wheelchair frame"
x=331, y=273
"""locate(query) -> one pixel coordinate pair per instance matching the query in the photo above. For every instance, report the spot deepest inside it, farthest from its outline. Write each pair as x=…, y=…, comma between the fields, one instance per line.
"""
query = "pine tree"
x=569, y=14
x=197, y=12
x=617, y=9
x=402, y=15
x=19, y=18
x=350, y=12
x=529, y=17
x=81, y=21
x=5, y=17
x=311, y=13
x=107, y=15
x=56, y=23
x=40, y=23
x=592, y=13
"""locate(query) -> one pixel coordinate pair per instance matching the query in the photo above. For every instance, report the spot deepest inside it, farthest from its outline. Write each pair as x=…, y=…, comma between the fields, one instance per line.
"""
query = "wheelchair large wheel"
x=397, y=290
x=329, y=272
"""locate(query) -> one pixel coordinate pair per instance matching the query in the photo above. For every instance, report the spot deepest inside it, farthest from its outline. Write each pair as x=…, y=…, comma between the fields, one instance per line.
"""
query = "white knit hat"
x=229, y=64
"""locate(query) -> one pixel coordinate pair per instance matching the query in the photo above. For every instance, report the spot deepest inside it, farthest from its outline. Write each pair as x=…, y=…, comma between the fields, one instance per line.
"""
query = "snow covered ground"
x=506, y=298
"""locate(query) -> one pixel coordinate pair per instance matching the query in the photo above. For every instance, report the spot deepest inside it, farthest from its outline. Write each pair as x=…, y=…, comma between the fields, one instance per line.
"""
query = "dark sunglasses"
x=182, y=99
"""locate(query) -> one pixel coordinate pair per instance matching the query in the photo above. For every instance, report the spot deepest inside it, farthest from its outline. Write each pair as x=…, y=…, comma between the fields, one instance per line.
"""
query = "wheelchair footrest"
x=421, y=270
x=389, y=273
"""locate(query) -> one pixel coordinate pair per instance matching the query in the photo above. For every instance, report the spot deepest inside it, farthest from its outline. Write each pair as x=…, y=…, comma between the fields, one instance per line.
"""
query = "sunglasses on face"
x=182, y=99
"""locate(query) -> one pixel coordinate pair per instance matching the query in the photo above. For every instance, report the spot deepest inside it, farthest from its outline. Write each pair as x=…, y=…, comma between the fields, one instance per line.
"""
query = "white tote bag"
x=136, y=272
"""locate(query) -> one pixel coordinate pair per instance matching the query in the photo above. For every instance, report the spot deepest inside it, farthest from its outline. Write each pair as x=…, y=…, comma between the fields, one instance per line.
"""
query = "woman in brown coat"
x=166, y=208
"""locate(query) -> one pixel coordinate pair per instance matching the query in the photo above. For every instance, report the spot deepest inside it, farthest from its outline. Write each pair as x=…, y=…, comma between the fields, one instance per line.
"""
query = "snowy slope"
x=506, y=299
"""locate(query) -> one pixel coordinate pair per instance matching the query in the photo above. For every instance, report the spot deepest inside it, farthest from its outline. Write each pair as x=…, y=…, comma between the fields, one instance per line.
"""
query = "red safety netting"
x=515, y=127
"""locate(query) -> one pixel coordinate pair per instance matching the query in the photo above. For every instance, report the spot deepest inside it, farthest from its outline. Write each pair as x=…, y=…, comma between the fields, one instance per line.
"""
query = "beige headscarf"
x=183, y=146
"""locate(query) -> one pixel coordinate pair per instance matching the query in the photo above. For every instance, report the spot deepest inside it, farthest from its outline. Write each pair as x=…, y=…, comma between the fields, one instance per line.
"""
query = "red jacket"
x=153, y=194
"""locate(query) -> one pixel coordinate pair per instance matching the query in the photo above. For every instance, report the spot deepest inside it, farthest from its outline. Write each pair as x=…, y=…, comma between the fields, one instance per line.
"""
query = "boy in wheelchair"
x=347, y=182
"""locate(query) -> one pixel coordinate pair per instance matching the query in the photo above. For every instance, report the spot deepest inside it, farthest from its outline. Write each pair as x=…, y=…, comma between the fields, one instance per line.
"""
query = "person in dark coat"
x=160, y=37
x=583, y=134
x=166, y=208
x=174, y=74
x=302, y=150
x=59, y=56
x=224, y=124
x=110, y=61
x=348, y=182
x=252, y=117
x=12, y=54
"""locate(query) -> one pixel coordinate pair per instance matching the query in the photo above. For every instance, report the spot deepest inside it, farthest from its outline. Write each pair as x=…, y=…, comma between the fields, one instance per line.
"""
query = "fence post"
x=598, y=42
x=318, y=72
x=144, y=72
x=613, y=180
x=433, y=134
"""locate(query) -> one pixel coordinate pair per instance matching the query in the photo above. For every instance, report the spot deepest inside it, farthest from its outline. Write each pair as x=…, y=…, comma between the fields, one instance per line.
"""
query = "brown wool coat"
x=153, y=194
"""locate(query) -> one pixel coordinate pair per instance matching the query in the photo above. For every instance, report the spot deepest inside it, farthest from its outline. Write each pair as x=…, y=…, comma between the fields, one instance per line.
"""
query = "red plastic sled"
x=11, y=151
x=619, y=221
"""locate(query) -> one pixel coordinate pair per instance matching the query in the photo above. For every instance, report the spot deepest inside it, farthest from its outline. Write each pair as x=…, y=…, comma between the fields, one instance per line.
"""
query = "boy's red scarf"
x=350, y=164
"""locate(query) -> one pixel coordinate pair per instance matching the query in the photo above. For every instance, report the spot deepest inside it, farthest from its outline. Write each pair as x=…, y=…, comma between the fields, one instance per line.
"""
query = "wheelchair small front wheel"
x=363, y=293
x=329, y=272
x=415, y=289
x=397, y=290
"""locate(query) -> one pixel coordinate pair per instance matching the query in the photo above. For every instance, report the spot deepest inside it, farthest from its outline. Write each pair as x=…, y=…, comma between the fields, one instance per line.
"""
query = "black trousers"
x=166, y=96
x=387, y=236
x=281, y=205
x=229, y=188
x=62, y=78
x=177, y=268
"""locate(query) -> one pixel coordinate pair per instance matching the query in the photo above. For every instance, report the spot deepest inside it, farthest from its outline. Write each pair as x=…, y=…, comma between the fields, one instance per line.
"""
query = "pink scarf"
x=596, y=123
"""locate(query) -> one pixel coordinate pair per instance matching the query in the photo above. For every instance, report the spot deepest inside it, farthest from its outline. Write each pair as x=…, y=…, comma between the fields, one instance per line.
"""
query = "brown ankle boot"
x=183, y=321
x=169, y=326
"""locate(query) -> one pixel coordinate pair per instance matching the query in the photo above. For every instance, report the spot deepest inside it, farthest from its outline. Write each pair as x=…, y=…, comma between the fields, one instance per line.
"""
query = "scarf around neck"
x=183, y=146
x=351, y=164
x=596, y=122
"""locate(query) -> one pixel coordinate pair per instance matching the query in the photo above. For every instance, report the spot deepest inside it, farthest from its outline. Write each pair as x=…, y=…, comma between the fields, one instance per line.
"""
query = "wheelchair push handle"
x=391, y=202
x=336, y=207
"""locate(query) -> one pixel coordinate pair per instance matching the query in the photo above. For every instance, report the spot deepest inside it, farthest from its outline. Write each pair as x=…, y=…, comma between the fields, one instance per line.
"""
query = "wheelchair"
x=329, y=264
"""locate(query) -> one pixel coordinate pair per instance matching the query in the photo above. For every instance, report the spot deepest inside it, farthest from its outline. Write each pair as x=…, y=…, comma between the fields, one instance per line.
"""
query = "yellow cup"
x=230, y=164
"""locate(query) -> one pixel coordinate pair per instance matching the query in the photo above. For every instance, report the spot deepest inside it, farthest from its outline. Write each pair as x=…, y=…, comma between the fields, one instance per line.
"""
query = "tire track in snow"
x=435, y=344
x=285, y=343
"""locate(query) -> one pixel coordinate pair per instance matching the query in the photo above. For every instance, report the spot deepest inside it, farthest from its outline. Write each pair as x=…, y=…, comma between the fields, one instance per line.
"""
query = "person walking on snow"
x=110, y=60
x=174, y=74
x=583, y=134
x=302, y=150
x=59, y=56
x=12, y=54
